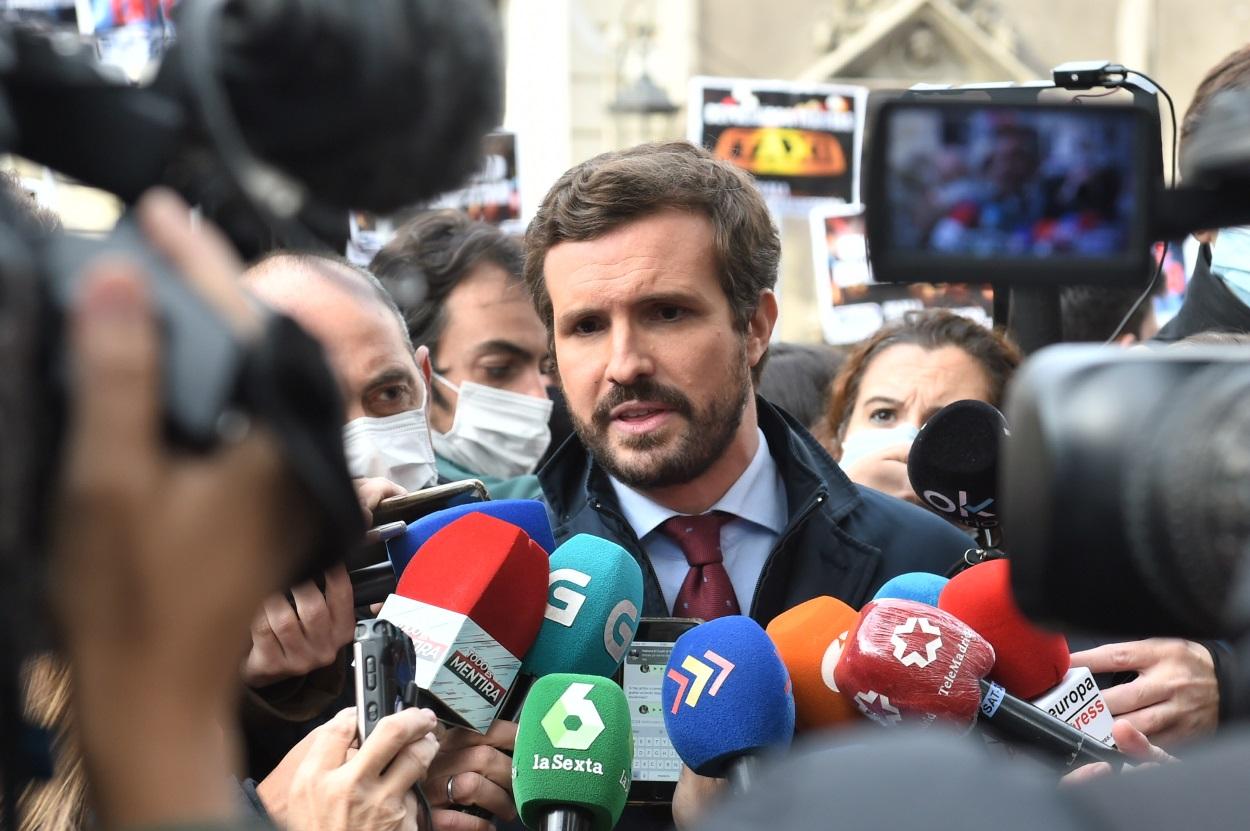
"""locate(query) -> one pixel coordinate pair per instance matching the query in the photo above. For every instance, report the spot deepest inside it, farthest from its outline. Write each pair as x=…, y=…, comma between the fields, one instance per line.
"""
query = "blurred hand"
x=1132, y=743
x=334, y=787
x=158, y=559
x=884, y=470
x=693, y=796
x=292, y=642
x=371, y=491
x=1175, y=695
x=481, y=774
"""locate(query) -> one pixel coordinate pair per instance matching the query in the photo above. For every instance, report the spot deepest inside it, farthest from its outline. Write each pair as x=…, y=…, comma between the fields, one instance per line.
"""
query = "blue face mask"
x=1230, y=260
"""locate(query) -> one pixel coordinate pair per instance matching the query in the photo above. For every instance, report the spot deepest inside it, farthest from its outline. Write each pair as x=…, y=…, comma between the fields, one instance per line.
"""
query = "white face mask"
x=869, y=440
x=495, y=432
x=1230, y=260
x=395, y=447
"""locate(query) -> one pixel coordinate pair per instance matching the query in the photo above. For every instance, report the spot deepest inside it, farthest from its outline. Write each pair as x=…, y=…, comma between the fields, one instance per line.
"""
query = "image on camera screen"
x=1012, y=182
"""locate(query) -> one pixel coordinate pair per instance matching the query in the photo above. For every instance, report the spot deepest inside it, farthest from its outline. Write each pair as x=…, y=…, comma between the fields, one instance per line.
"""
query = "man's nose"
x=631, y=357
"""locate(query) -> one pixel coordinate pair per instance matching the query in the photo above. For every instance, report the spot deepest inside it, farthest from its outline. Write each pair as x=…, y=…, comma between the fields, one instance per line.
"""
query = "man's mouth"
x=640, y=416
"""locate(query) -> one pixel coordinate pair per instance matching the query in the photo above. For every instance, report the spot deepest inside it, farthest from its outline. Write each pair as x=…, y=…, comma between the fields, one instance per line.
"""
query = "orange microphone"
x=810, y=638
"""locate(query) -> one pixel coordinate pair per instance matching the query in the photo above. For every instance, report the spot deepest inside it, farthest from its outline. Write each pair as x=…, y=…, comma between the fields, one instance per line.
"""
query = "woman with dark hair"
x=892, y=382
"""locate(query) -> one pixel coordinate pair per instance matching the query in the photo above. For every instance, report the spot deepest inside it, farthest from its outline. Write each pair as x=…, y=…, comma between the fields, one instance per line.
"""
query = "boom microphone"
x=726, y=697
x=810, y=638
x=472, y=602
x=953, y=466
x=574, y=749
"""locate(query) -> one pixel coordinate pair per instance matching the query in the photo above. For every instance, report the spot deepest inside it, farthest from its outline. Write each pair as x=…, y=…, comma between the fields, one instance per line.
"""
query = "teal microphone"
x=573, y=754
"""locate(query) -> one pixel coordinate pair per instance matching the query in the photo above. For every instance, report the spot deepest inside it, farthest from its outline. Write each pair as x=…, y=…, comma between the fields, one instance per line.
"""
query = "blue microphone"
x=920, y=586
x=529, y=515
x=727, y=698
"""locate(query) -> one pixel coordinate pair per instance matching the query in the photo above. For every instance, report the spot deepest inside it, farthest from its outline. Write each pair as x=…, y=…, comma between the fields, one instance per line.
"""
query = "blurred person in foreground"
x=385, y=382
x=158, y=562
x=891, y=383
x=459, y=284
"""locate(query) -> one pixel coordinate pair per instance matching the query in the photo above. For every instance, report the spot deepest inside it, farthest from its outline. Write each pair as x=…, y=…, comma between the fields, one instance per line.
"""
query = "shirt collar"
x=756, y=497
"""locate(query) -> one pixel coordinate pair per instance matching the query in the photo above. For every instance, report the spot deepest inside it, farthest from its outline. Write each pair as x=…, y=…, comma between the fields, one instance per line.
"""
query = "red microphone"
x=472, y=601
x=1029, y=661
x=907, y=661
x=1032, y=663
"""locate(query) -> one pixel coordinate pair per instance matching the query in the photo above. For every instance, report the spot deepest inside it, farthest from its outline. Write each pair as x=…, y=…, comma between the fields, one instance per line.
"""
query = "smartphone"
x=656, y=765
x=409, y=508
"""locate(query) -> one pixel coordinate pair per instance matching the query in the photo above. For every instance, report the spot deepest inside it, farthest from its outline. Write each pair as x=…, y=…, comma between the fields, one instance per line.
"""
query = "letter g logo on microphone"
x=618, y=632
x=563, y=603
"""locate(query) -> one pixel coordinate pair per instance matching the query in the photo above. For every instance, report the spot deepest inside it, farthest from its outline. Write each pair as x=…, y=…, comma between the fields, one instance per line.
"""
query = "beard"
x=662, y=460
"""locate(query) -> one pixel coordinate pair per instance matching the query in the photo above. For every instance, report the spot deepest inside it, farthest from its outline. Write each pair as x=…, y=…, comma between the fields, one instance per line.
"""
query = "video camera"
x=1125, y=483
x=272, y=117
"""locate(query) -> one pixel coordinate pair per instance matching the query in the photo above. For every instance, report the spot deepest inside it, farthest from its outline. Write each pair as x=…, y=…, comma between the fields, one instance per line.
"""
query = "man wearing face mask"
x=1218, y=295
x=459, y=283
x=385, y=383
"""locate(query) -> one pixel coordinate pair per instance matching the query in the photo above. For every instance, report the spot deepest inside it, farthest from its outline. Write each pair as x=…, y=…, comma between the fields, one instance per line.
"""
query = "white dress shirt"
x=757, y=501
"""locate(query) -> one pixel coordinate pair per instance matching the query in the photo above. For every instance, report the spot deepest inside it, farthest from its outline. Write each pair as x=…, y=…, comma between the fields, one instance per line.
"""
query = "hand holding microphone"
x=290, y=641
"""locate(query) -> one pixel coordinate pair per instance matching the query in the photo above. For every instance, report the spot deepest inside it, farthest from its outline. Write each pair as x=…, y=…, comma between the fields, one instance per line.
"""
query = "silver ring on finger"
x=451, y=799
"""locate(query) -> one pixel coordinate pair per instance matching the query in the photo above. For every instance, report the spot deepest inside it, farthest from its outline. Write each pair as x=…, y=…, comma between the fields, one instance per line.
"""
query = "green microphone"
x=574, y=750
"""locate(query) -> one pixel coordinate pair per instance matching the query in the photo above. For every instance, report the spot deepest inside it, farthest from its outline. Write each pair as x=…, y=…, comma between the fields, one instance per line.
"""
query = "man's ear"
x=760, y=327
x=422, y=356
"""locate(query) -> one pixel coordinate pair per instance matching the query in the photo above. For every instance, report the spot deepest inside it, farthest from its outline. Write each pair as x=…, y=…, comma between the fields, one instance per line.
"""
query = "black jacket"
x=841, y=539
x=1209, y=306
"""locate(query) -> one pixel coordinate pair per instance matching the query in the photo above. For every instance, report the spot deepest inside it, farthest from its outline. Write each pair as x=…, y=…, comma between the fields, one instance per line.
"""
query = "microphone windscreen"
x=486, y=569
x=574, y=749
x=1030, y=660
x=920, y=586
x=594, y=602
x=529, y=515
x=810, y=638
x=905, y=661
x=726, y=695
x=953, y=463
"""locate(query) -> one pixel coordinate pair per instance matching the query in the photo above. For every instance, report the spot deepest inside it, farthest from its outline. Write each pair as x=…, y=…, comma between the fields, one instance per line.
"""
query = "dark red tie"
x=706, y=592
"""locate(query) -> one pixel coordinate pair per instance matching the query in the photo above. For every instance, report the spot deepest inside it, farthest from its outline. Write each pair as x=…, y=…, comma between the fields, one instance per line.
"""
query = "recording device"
x=472, y=601
x=570, y=766
x=907, y=663
x=410, y=507
x=383, y=668
x=594, y=594
x=953, y=466
x=1041, y=193
x=1124, y=490
x=242, y=125
x=727, y=698
x=656, y=766
x=810, y=638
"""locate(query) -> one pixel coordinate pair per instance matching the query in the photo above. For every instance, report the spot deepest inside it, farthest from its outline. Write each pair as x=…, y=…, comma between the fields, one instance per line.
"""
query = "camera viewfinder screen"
x=1012, y=182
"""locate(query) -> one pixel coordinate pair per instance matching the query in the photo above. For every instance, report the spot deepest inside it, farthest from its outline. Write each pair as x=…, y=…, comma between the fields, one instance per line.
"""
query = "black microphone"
x=953, y=466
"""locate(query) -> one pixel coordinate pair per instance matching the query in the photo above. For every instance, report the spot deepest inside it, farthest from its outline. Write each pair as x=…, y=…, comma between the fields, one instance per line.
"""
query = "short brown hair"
x=928, y=329
x=604, y=193
x=1231, y=73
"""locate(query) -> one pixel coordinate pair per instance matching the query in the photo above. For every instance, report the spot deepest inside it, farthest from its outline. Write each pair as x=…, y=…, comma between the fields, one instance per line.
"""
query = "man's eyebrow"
x=500, y=345
x=390, y=376
x=689, y=298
